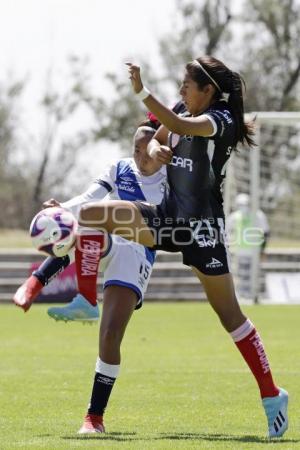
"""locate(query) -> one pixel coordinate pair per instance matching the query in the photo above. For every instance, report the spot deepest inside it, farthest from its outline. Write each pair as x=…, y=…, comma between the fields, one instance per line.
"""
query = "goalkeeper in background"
x=248, y=237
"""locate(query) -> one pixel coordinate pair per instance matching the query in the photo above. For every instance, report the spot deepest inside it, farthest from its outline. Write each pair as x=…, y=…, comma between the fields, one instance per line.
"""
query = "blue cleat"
x=276, y=412
x=79, y=310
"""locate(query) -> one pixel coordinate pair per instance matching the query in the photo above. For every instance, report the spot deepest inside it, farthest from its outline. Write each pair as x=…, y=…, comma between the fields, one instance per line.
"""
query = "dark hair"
x=225, y=81
x=151, y=121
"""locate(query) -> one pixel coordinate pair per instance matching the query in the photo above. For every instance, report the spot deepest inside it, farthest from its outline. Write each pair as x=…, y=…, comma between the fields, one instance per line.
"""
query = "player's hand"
x=163, y=154
x=51, y=203
x=135, y=77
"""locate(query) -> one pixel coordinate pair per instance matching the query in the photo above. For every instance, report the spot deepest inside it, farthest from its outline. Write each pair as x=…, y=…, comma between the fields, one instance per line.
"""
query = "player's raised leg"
x=83, y=307
x=31, y=288
x=118, y=217
x=78, y=310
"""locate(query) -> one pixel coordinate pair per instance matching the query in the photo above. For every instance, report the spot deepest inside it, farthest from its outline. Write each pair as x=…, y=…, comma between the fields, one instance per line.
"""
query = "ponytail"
x=229, y=87
x=244, y=130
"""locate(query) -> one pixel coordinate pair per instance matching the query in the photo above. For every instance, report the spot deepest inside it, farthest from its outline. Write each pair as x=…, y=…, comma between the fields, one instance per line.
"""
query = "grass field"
x=183, y=384
x=14, y=239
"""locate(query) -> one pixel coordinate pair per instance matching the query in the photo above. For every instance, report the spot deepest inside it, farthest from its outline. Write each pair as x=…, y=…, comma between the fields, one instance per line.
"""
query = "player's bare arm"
x=195, y=126
x=161, y=153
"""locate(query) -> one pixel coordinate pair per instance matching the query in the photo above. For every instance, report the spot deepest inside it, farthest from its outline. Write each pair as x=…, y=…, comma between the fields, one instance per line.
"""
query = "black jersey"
x=198, y=168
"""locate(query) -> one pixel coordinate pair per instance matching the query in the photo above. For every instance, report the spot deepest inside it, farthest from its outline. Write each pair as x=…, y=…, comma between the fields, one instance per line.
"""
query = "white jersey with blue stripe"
x=124, y=181
x=121, y=180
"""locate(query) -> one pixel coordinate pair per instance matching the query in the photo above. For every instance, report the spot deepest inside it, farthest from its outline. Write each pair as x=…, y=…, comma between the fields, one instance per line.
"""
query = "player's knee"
x=84, y=214
x=111, y=335
x=90, y=215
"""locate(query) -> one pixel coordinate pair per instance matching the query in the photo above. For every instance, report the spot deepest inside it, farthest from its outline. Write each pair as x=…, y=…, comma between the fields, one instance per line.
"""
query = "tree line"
x=261, y=41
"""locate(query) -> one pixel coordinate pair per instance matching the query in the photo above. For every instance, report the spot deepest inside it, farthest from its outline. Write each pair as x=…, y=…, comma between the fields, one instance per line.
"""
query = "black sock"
x=50, y=268
x=101, y=391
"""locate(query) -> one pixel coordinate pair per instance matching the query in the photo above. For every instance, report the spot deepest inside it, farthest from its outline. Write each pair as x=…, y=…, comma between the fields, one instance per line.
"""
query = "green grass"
x=14, y=239
x=283, y=243
x=182, y=385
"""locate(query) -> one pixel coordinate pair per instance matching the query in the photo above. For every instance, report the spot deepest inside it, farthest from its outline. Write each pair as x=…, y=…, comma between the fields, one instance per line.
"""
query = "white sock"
x=242, y=331
x=109, y=370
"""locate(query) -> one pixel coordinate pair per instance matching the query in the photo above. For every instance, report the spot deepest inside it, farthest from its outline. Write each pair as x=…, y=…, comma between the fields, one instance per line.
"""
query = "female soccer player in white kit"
x=127, y=268
x=129, y=178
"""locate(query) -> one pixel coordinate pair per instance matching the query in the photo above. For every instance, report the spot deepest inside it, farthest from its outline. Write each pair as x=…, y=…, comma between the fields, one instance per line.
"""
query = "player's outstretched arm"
x=194, y=126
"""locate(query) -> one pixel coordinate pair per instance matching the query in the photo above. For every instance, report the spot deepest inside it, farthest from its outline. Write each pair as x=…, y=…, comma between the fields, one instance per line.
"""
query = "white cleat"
x=276, y=412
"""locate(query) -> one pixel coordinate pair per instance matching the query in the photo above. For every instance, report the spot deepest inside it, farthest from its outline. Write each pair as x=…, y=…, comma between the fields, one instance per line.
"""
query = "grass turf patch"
x=182, y=385
x=15, y=239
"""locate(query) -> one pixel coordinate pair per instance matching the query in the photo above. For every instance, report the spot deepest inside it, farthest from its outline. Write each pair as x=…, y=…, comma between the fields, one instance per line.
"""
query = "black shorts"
x=201, y=242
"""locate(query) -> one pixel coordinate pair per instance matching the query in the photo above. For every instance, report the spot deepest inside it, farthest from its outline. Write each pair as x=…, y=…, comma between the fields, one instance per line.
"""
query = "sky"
x=38, y=34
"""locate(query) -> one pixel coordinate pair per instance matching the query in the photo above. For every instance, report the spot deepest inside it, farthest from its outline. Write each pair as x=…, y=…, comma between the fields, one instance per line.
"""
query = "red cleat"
x=92, y=424
x=26, y=293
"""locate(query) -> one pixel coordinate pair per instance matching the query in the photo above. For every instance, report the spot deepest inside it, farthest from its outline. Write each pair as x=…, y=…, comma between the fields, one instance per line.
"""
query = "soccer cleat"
x=26, y=293
x=79, y=310
x=92, y=424
x=276, y=412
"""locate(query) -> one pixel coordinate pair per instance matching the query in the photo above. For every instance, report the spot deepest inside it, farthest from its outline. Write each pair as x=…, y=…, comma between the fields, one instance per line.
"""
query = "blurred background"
x=66, y=105
x=67, y=108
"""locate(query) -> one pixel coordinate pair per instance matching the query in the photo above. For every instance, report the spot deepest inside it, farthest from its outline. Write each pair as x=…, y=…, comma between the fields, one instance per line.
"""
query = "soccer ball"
x=53, y=231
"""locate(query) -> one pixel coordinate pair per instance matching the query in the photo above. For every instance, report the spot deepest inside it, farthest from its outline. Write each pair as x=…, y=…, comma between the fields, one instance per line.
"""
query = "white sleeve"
x=213, y=122
x=107, y=177
x=221, y=120
x=103, y=185
x=94, y=193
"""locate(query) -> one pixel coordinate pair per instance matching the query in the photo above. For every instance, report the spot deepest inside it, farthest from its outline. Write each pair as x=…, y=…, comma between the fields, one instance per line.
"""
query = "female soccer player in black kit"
x=196, y=147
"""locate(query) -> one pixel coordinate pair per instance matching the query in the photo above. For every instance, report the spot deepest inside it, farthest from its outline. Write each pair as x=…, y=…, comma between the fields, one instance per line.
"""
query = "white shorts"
x=127, y=264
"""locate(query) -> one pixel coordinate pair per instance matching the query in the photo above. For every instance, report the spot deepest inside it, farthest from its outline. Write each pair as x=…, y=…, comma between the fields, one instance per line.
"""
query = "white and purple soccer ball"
x=53, y=231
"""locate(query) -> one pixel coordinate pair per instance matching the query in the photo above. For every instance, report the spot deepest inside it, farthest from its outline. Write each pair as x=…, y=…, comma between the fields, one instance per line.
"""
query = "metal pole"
x=255, y=203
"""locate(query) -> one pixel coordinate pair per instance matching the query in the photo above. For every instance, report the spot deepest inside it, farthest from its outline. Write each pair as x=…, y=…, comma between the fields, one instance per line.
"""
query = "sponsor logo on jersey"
x=188, y=137
x=129, y=180
x=126, y=187
x=202, y=241
x=185, y=163
x=130, y=185
x=227, y=116
x=214, y=263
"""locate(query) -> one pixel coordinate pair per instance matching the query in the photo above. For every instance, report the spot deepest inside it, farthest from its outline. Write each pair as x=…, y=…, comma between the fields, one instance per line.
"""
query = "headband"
x=225, y=95
x=145, y=129
x=207, y=74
